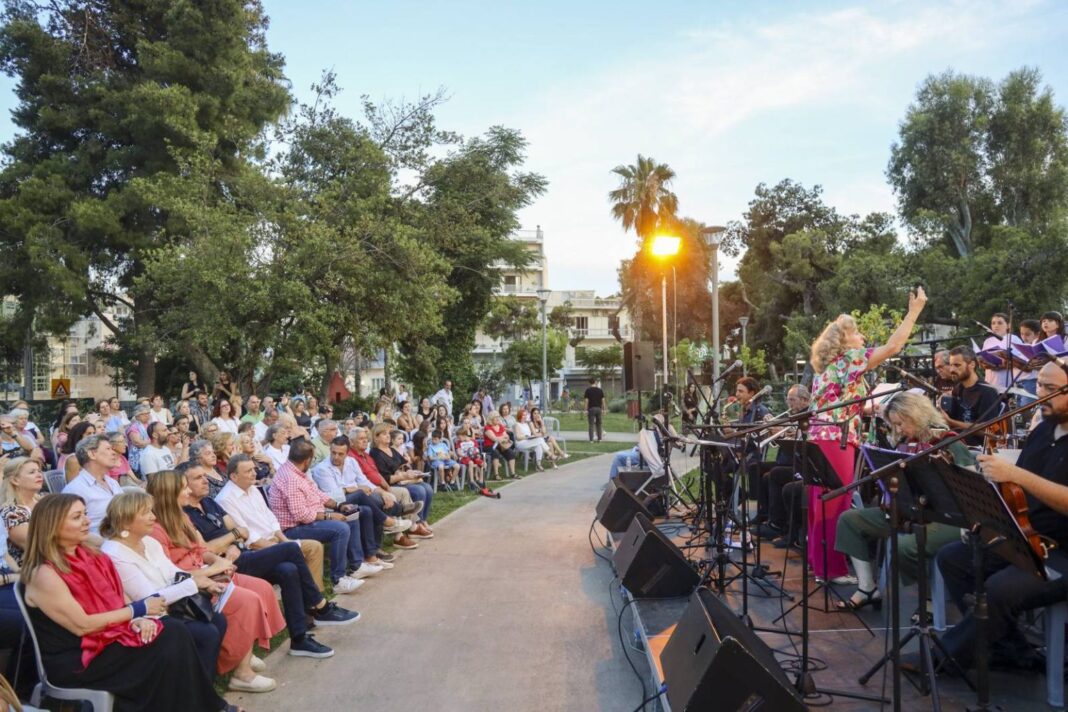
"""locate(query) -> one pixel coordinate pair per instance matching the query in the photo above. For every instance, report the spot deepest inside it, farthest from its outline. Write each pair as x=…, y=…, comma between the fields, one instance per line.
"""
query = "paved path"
x=580, y=436
x=505, y=609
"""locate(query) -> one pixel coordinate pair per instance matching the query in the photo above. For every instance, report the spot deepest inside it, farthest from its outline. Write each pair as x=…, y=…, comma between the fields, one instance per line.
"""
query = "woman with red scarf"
x=90, y=636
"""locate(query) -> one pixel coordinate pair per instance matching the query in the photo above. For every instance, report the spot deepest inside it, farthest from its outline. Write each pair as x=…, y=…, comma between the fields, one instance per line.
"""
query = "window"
x=377, y=384
x=42, y=369
x=582, y=325
x=510, y=284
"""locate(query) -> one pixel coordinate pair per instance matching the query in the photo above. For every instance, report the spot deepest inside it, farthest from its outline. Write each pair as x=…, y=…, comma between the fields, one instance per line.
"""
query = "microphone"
x=915, y=379
x=844, y=441
x=737, y=364
x=762, y=392
x=986, y=328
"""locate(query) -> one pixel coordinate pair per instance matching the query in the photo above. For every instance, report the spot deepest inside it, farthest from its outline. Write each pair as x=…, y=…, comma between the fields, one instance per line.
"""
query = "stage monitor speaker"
x=634, y=479
x=650, y=565
x=713, y=662
x=617, y=507
x=639, y=366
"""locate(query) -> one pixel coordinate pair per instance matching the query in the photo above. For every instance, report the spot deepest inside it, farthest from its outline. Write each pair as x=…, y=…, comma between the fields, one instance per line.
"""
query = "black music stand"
x=993, y=528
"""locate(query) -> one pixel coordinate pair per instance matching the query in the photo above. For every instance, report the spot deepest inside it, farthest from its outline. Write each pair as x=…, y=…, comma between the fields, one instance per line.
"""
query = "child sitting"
x=441, y=458
x=470, y=455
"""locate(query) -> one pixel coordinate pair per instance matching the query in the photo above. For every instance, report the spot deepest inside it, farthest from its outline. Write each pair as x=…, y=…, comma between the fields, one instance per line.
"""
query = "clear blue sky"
x=726, y=93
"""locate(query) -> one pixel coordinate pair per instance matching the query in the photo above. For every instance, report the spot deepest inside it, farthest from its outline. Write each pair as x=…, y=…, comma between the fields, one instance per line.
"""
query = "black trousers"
x=1009, y=592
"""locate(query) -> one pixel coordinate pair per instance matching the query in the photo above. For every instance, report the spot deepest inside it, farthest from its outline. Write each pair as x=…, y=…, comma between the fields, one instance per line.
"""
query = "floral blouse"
x=841, y=380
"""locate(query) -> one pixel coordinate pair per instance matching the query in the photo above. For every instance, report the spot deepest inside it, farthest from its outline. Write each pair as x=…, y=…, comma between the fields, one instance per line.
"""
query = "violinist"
x=916, y=426
x=971, y=400
x=1042, y=472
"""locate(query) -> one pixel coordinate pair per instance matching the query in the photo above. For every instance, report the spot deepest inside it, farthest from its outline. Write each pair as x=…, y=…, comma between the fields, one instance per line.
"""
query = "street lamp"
x=664, y=247
x=714, y=239
x=543, y=297
x=743, y=320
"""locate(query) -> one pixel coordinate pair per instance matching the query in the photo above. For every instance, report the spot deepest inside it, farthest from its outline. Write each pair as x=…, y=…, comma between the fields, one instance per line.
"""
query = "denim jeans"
x=422, y=492
x=370, y=510
x=620, y=459
x=341, y=538
x=283, y=564
x=207, y=637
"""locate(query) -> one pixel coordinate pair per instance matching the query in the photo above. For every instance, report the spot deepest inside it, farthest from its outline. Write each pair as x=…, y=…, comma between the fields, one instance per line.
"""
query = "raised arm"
x=917, y=300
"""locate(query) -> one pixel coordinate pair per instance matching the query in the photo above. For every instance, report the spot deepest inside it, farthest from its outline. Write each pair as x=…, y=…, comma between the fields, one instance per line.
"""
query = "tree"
x=643, y=202
x=522, y=358
x=601, y=364
x=134, y=121
x=511, y=318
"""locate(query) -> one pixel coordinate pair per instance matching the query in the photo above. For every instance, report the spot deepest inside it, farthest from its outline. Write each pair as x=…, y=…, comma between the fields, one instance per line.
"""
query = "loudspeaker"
x=639, y=366
x=617, y=507
x=713, y=662
x=634, y=479
x=650, y=565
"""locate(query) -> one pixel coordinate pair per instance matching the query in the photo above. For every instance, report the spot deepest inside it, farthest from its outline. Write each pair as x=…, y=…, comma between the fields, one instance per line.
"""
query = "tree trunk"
x=387, y=376
x=324, y=388
x=146, y=357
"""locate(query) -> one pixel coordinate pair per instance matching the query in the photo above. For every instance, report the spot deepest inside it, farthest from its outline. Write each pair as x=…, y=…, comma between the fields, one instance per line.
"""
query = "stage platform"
x=840, y=644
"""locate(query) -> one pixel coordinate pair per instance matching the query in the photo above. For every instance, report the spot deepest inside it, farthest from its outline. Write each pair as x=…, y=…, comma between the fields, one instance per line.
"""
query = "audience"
x=157, y=456
x=92, y=484
x=21, y=492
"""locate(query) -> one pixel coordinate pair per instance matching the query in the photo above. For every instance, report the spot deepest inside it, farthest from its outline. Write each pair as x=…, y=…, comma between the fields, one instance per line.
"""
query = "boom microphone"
x=737, y=364
x=762, y=392
x=915, y=379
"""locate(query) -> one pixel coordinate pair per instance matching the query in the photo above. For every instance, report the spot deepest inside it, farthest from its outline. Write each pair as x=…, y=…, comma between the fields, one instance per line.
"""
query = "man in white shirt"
x=444, y=396
x=270, y=417
x=246, y=506
x=342, y=480
x=92, y=484
x=157, y=456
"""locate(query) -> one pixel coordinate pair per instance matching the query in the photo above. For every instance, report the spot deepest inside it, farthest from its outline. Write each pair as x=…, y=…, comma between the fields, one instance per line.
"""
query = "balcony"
x=610, y=303
x=624, y=333
x=523, y=290
x=536, y=236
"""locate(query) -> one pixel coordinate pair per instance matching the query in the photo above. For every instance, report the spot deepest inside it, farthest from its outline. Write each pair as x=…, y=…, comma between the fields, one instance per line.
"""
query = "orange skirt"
x=252, y=616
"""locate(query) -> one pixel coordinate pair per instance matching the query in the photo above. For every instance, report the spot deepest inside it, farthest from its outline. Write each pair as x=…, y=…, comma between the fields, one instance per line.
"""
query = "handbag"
x=195, y=607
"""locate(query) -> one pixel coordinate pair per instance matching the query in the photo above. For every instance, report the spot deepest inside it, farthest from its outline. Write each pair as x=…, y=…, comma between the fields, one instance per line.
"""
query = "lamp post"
x=743, y=320
x=664, y=247
x=543, y=297
x=713, y=242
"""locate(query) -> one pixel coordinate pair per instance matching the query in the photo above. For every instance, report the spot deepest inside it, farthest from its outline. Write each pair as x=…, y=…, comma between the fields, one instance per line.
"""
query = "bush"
x=343, y=408
x=617, y=405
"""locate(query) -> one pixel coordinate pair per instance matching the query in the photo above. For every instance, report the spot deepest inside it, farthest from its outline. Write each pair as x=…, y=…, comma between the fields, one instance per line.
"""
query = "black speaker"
x=617, y=507
x=634, y=479
x=639, y=366
x=650, y=565
x=713, y=662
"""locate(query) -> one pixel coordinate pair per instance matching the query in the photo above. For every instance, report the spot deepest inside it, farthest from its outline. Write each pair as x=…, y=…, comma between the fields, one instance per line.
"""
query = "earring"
x=124, y=533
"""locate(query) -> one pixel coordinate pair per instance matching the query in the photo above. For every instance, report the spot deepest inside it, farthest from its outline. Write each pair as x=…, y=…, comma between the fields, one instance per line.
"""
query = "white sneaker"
x=347, y=585
x=399, y=526
x=365, y=570
x=384, y=565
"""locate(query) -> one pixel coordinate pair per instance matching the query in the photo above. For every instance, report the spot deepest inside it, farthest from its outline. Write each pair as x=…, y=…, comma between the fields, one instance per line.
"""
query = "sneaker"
x=365, y=569
x=399, y=525
x=309, y=647
x=347, y=585
x=383, y=556
x=383, y=564
x=333, y=614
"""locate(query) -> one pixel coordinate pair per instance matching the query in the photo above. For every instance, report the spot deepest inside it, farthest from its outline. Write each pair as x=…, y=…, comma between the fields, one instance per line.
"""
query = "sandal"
x=869, y=599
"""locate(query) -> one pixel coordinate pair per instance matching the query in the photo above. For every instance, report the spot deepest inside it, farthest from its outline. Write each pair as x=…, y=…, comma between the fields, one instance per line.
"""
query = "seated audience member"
x=526, y=441
x=200, y=410
x=67, y=462
x=160, y=413
x=242, y=500
x=441, y=459
x=252, y=414
x=21, y=670
x=282, y=563
x=300, y=413
x=390, y=465
x=137, y=435
x=178, y=439
x=972, y=401
x=22, y=485
x=95, y=457
x=264, y=467
x=88, y=634
x=270, y=417
x=325, y=434
x=406, y=419
x=538, y=428
x=157, y=456
x=498, y=446
x=122, y=472
x=276, y=445
x=12, y=444
x=470, y=454
x=305, y=512
x=223, y=416
x=395, y=500
x=112, y=415
x=23, y=426
x=624, y=458
x=202, y=452
x=331, y=475
x=252, y=609
x=146, y=571
x=62, y=433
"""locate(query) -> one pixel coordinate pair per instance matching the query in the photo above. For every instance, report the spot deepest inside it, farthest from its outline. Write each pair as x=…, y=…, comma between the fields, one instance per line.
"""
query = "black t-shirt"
x=970, y=405
x=210, y=522
x=595, y=397
x=1047, y=458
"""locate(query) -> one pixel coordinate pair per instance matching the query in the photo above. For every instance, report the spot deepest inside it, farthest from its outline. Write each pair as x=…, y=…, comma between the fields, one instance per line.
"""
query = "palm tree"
x=642, y=201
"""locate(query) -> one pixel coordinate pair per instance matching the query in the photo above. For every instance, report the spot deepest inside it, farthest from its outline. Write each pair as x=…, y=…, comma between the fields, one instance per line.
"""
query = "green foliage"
x=600, y=363
x=755, y=360
x=878, y=322
x=643, y=202
x=522, y=358
x=511, y=318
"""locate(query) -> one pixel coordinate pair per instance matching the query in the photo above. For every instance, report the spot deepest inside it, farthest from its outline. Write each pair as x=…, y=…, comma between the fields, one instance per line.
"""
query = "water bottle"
x=630, y=461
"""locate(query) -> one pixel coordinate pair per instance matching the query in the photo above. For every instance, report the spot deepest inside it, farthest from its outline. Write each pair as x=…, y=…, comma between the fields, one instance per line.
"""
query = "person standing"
x=593, y=406
x=444, y=396
x=840, y=360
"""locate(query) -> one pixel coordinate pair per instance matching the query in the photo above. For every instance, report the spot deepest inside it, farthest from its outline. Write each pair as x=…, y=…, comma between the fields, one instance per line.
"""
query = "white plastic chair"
x=101, y=700
x=553, y=424
x=55, y=481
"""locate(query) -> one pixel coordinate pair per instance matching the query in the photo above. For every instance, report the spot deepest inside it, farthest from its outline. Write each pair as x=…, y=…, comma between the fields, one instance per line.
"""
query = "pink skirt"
x=823, y=516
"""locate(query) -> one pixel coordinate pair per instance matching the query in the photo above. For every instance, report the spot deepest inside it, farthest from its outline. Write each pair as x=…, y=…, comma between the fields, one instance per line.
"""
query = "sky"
x=728, y=94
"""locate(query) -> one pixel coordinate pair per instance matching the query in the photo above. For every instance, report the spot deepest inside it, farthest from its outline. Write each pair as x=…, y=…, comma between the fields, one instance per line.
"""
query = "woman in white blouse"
x=224, y=417
x=146, y=571
x=276, y=444
x=525, y=441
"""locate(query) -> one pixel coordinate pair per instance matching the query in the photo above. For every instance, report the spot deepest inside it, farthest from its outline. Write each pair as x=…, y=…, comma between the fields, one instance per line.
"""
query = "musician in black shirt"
x=972, y=400
x=1042, y=472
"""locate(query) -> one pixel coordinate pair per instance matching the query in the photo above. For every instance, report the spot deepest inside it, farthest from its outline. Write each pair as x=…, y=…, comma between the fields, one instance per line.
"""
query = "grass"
x=611, y=422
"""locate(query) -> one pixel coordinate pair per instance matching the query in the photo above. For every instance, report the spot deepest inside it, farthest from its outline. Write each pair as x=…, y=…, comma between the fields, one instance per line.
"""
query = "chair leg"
x=938, y=597
x=1055, y=621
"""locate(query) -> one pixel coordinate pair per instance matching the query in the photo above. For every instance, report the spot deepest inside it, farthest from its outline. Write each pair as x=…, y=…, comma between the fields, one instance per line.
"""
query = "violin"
x=1012, y=493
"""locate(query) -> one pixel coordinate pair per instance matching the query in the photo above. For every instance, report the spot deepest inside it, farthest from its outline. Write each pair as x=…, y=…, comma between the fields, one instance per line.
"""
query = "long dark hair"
x=75, y=436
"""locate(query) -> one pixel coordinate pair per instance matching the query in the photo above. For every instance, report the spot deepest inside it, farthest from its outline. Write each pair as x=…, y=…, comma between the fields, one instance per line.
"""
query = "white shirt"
x=333, y=480
x=401, y=397
x=260, y=431
x=156, y=459
x=227, y=425
x=143, y=576
x=162, y=416
x=96, y=496
x=443, y=396
x=249, y=510
x=278, y=457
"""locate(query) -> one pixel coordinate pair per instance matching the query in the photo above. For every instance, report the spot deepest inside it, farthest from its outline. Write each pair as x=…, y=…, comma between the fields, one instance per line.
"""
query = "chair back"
x=20, y=597
x=553, y=424
x=55, y=481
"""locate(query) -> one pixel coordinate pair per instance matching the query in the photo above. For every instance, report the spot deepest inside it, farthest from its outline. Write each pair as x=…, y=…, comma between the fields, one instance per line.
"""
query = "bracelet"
x=140, y=608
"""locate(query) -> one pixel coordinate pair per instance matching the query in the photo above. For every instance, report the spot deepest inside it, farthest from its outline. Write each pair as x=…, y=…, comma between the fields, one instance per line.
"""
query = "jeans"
x=284, y=565
x=1009, y=591
x=342, y=538
x=207, y=637
x=620, y=460
x=21, y=668
x=776, y=480
x=372, y=503
x=422, y=492
x=593, y=418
